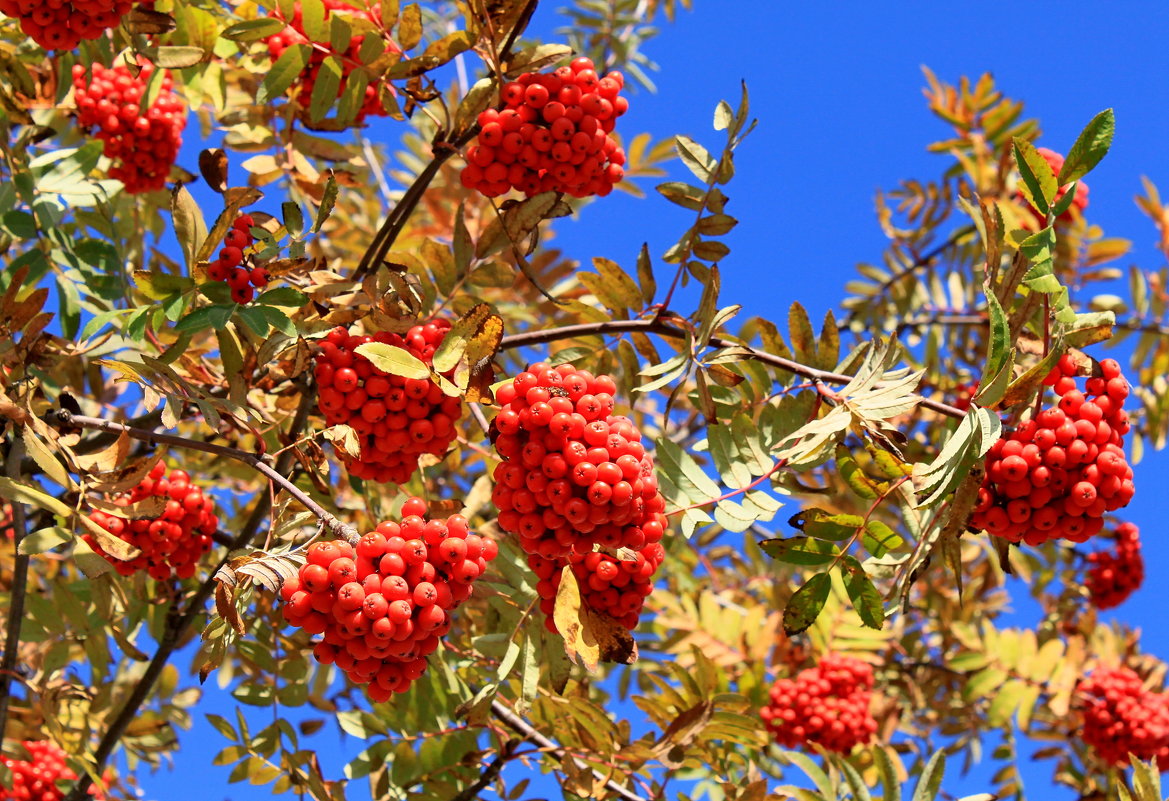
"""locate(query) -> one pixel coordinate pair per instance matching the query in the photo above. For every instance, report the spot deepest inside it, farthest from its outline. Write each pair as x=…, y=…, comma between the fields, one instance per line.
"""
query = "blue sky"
x=837, y=90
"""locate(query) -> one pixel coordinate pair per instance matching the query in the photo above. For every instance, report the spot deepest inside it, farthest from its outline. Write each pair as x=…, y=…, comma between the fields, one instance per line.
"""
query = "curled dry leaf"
x=590, y=637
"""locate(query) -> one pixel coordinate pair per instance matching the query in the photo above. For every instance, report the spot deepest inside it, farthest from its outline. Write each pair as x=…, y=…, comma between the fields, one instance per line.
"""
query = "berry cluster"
x=383, y=605
x=143, y=147
x=1079, y=202
x=1116, y=573
x=576, y=478
x=397, y=419
x=35, y=779
x=553, y=134
x=175, y=540
x=1058, y=473
x=64, y=24
x=350, y=58
x=231, y=268
x=826, y=704
x=1121, y=717
x=6, y=522
x=617, y=587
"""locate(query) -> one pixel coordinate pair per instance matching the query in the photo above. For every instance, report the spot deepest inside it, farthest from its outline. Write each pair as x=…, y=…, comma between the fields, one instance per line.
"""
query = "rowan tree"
x=408, y=472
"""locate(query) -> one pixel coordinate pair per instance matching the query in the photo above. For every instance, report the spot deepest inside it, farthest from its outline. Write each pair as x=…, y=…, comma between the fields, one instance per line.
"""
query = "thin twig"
x=67, y=418
x=19, y=584
x=661, y=327
x=521, y=726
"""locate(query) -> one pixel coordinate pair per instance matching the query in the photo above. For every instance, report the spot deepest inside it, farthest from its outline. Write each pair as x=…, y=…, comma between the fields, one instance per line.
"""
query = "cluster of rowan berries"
x=1079, y=201
x=64, y=24
x=1116, y=572
x=231, y=266
x=576, y=478
x=396, y=419
x=350, y=58
x=1122, y=717
x=826, y=704
x=383, y=605
x=35, y=778
x=553, y=134
x=172, y=542
x=6, y=522
x=1058, y=473
x=142, y=146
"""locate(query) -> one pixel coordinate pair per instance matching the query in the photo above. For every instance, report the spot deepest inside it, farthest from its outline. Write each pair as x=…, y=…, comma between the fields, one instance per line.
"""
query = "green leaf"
x=1091, y=146
x=806, y=604
x=174, y=56
x=1039, y=184
x=696, y=158
x=864, y=596
x=326, y=89
x=686, y=196
x=190, y=227
x=680, y=467
x=724, y=450
x=206, y=317
x=251, y=30
x=931, y=778
x=998, y=343
x=800, y=550
x=45, y=539
x=285, y=70
x=826, y=526
x=394, y=360
x=312, y=16
x=282, y=296
x=328, y=199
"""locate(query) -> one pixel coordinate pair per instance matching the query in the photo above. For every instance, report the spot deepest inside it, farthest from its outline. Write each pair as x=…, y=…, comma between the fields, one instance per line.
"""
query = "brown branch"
x=66, y=418
x=521, y=24
x=522, y=727
x=177, y=624
x=661, y=327
x=19, y=584
x=396, y=220
x=490, y=773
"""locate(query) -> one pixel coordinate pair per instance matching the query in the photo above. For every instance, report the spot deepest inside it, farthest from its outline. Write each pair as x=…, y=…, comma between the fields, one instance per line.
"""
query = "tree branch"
x=522, y=727
x=490, y=773
x=396, y=219
x=66, y=418
x=19, y=584
x=659, y=326
x=177, y=624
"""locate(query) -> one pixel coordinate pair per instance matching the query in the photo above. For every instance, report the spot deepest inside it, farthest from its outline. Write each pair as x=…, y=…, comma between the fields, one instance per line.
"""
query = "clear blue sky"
x=837, y=90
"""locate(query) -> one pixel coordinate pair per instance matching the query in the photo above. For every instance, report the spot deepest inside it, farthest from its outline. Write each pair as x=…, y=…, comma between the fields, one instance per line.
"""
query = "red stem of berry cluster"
x=19, y=586
x=336, y=526
x=660, y=326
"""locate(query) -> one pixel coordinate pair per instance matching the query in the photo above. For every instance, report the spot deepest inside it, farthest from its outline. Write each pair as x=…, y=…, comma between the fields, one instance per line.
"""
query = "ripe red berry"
x=1121, y=717
x=37, y=778
x=173, y=542
x=142, y=147
x=379, y=619
x=827, y=704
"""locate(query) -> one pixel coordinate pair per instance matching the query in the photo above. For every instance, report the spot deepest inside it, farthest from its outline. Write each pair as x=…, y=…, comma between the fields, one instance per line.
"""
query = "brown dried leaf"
x=226, y=609
x=145, y=20
x=590, y=637
x=107, y=459
x=213, y=166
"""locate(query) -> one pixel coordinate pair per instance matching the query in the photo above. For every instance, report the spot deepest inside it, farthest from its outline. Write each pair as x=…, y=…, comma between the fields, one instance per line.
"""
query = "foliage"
x=117, y=351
